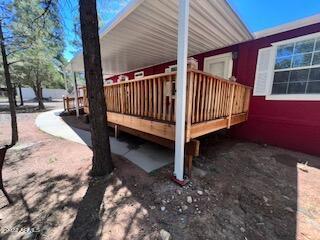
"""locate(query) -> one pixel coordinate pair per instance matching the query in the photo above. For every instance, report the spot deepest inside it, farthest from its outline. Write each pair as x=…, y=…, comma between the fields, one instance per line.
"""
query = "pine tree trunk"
x=11, y=97
x=21, y=96
x=38, y=92
x=101, y=162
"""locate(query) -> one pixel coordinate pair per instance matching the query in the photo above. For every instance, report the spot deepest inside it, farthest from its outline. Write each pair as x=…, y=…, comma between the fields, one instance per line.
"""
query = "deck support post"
x=181, y=86
x=75, y=86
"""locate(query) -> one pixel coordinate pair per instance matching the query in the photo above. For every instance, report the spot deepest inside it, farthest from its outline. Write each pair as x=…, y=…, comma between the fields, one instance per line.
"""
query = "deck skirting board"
x=204, y=128
x=160, y=129
x=167, y=131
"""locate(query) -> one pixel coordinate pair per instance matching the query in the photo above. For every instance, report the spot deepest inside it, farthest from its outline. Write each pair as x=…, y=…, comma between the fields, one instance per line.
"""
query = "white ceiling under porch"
x=145, y=33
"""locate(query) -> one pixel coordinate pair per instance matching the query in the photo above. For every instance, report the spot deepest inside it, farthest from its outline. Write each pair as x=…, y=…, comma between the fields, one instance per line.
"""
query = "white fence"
x=28, y=93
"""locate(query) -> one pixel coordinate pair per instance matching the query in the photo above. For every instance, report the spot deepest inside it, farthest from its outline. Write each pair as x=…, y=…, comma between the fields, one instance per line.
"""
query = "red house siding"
x=290, y=124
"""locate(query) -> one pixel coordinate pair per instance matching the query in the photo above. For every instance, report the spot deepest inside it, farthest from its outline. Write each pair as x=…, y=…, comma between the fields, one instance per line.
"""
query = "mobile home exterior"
x=285, y=119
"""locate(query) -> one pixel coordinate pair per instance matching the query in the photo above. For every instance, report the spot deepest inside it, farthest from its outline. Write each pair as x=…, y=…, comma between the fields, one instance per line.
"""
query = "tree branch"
x=46, y=9
x=10, y=63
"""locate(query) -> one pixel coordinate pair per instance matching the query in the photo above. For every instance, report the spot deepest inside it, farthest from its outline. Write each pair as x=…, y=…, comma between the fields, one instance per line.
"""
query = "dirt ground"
x=239, y=190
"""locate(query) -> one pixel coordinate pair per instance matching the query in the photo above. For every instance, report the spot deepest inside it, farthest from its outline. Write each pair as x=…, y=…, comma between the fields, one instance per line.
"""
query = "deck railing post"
x=76, y=94
x=231, y=105
x=189, y=106
x=64, y=103
x=181, y=82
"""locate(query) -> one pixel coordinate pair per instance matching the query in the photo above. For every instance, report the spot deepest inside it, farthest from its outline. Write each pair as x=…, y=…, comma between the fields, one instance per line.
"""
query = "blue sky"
x=262, y=14
x=256, y=14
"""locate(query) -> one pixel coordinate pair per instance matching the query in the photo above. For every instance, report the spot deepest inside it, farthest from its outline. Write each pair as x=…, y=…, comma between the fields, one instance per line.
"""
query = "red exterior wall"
x=290, y=124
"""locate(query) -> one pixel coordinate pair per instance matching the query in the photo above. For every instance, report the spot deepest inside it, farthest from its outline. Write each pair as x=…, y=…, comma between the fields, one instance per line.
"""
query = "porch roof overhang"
x=145, y=33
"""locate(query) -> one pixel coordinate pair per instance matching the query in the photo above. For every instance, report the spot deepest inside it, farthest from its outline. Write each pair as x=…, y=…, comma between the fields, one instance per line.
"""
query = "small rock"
x=189, y=199
x=165, y=235
x=180, y=210
x=184, y=207
x=164, y=201
x=158, y=200
x=178, y=192
x=152, y=207
x=289, y=209
x=163, y=208
x=206, y=191
x=200, y=192
x=284, y=196
x=265, y=199
x=242, y=229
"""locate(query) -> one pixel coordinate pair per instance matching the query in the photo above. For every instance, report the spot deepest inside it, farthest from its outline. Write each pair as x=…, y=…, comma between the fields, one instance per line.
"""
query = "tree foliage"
x=34, y=39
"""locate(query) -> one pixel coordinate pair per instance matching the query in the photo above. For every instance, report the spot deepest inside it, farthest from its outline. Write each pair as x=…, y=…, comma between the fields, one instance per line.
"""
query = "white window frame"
x=289, y=97
x=138, y=75
x=122, y=78
x=108, y=81
x=171, y=68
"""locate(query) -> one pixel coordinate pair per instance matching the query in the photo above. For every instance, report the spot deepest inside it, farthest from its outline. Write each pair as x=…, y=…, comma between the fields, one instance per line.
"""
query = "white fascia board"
x=288, y=26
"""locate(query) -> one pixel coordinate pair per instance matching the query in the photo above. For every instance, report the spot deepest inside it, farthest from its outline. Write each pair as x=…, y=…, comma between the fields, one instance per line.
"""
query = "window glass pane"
x=318, y=44
x=304, y=46
x=314, y=74
x=299, y=75
x=313, y=87
x=282, y=63
x=285, y=50
x=301, y=60
x=297, y=68
x=316, y=58
x=297, y=87
x=279, y=88
x=282, y=76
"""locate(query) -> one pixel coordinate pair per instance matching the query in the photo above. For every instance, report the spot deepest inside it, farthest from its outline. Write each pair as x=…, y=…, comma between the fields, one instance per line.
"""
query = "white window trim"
x=289, y=97
x=139, y=74
x=228, y=54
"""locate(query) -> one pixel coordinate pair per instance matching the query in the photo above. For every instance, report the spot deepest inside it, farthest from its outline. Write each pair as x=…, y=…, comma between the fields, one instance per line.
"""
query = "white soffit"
x=145, y=33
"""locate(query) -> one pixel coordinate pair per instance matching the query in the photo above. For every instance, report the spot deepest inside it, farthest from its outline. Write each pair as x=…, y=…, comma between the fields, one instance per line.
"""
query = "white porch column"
x=181, y=88
x=75, y=87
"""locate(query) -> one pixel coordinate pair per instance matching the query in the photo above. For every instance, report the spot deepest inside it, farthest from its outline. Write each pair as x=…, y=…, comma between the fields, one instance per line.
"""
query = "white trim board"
x=294, y=97
x=296, y=39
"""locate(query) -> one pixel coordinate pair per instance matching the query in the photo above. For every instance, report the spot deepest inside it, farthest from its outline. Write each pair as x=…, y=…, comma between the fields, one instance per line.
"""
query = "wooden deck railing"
x=69, y=103
x=153, y=98
x=208, y=97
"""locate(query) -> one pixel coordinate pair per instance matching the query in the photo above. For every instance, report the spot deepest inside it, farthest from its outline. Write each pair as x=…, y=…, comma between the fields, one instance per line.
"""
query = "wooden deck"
x=69, y=102
x=147, y=106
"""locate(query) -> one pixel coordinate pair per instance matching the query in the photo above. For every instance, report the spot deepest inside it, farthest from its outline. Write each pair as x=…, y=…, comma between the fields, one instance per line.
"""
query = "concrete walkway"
x=147, y=156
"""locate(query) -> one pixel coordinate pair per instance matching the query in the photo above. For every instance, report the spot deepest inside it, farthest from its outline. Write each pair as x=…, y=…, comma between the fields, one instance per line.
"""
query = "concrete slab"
x=148, y=156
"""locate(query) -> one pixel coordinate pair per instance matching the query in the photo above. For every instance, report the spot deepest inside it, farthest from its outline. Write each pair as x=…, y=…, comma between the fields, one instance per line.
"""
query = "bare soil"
x=239, y=190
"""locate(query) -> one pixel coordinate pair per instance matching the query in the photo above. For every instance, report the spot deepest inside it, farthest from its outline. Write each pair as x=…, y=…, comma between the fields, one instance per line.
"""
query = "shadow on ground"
x=239, y=190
